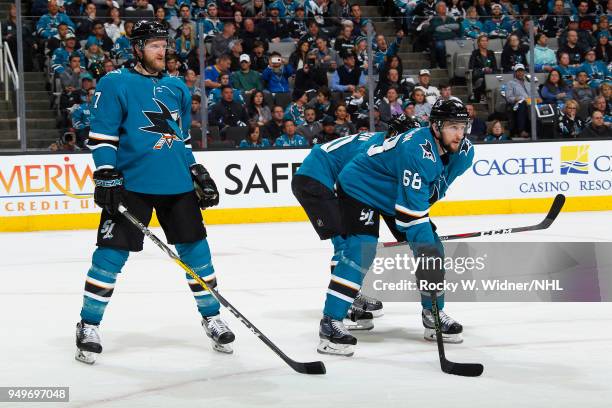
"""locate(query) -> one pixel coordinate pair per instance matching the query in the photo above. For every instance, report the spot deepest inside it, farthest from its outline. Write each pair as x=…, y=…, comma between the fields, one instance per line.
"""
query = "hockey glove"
x=431, y=267
x=205, y=187
x=109, y=190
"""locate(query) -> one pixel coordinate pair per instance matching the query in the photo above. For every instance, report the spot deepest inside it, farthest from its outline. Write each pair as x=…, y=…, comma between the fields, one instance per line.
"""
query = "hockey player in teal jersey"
x=141, y=147
x=401, y=177
x=313, y=186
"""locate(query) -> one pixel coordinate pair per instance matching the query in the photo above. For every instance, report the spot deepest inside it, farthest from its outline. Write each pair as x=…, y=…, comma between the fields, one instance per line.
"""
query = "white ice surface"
x=156, y=353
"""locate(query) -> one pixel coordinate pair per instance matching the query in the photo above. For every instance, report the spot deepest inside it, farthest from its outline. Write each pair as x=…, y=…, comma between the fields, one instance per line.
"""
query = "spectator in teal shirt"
x=471, y=26
x=496, y=133
x=254, y=139
x=295, y=111
x=290, y=138
x=215, y=94
x=544, y=58
x=442, y=28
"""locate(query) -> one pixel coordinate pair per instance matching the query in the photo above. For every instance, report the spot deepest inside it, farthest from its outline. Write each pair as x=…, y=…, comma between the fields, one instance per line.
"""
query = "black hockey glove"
x=205, y=187
x=431, y=267
x=109, y=190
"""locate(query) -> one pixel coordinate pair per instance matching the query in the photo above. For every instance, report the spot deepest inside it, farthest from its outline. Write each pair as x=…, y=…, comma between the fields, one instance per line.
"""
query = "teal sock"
x=100, y=283
x=197, y=256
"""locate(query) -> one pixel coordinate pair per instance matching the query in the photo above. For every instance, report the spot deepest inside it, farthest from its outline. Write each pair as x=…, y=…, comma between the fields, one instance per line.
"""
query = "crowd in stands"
x=319, y=91
x=578, y=69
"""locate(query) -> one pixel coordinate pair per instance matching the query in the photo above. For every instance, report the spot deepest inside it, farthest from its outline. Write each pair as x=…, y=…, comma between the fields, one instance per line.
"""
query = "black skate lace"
x=339, y=327
x=217, y=326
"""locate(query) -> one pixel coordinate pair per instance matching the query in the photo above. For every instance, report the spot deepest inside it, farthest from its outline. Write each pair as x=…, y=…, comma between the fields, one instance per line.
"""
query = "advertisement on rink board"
x=535, y=170
x=39, y=185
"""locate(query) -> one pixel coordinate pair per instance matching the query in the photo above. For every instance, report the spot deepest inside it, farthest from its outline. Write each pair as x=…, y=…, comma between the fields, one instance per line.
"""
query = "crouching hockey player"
x=142, y=151
x=402, y=177
x=313, y=186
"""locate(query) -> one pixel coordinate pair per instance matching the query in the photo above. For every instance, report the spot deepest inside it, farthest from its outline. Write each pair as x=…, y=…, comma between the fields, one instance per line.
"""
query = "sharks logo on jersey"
x=465, y=146
x=166, y=123
x=428, y=151
x=146, y=119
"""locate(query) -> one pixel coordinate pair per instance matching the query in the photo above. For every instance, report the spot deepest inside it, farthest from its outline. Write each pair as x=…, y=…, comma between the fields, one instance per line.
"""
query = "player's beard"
x=452, y=147
x=451, y=144
x=153, y=64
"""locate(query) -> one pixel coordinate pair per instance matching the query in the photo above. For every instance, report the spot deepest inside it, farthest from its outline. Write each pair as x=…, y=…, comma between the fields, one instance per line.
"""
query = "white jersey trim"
x=98, y=298
x=100, y=136
x=412, y=223
x=340, y=296
x=408, y=211
x=94, y=147
x=345, y=282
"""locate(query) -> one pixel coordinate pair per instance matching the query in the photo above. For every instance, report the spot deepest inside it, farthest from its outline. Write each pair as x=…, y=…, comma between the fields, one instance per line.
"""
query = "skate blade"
x=222, y=348
x=334, y=349
x=430, y=335
x=377, y=313
x=363, y=324
x=86, y=357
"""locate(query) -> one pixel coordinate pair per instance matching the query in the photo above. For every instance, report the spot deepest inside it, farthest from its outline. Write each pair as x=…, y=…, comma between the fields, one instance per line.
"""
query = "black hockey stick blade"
x=449, y=367
x=552, y=214
x=313, y=367
x=554, y=211
x=462, y=369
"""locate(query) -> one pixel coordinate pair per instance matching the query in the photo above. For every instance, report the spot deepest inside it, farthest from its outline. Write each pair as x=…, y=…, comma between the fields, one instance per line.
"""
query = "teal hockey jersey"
x=458, y=163
x=403, y=177
x=140, y=126
x=325, y=161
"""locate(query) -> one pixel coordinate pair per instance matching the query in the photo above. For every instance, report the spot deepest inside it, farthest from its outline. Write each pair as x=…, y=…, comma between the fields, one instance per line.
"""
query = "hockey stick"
x=554, y=211
x=449, y=367
x=475, y=369
x=314, y=367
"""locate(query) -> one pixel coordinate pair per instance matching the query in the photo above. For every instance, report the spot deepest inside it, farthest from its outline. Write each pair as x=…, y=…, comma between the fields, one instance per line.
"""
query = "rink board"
x=52, y=192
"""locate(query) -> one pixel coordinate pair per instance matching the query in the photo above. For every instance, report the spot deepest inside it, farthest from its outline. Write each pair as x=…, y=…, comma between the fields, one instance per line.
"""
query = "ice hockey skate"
x=451, y=330
x=368, y=304
x=220, y=335
x=358, y=319
x=335, y=338
x=87, y=342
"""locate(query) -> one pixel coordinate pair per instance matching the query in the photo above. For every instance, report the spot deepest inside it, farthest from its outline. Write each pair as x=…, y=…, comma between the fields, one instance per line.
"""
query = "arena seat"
x=283, y=48
x=236, y=134
x=454, y=47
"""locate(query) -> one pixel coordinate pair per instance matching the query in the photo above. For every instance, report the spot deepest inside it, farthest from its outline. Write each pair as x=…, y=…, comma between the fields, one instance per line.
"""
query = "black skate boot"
x=218, y=332
x=358, y=319
x=87, y=342
x=451, y=330
x=368, y=304
x=335, y=338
